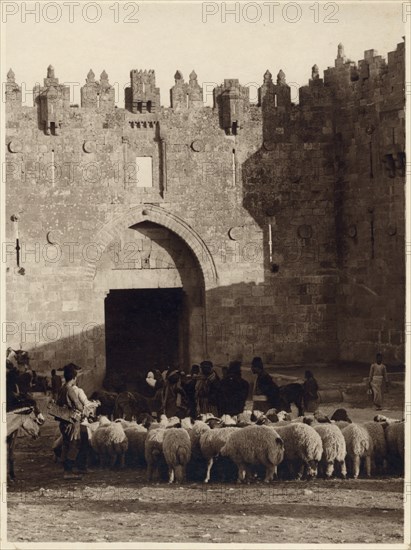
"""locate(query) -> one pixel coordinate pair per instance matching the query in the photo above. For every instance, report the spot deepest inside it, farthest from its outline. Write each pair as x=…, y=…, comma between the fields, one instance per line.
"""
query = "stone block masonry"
x=282, y=223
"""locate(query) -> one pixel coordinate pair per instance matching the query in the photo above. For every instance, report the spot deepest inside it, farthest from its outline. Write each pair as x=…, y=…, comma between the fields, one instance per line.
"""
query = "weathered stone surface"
x=327, y=175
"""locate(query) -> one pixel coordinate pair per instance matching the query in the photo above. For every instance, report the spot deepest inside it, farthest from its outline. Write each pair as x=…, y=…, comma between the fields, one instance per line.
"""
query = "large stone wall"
x=320, y=177
x=370, y=204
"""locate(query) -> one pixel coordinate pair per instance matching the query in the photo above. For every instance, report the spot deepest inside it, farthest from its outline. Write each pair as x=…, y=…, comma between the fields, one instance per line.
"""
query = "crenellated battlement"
x=370, y=79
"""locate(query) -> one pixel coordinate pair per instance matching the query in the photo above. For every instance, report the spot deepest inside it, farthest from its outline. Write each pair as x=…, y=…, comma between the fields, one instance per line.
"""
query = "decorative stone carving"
x=391, y=229
x=15, y=146
x=52, y=236
x=198, y=146
x=269, y=145
x=352, y=231
x=241, y=232
x=305, y=231
x=89, y=146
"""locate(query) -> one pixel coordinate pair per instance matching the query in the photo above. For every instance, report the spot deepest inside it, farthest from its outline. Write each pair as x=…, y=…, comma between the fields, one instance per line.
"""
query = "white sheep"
x=163, y=420
x=205, y=416
x=395, y=438
x=244, y=418
x=334, y=448
x=341, y=424
x=173, y=422
x=126, y=423
x=136, y=436
x=211, y=442
x=186, y=423
x=283, y=416
x=303, y=448
x=57, y=446
x=109, y=442
x=253, y=446
x=359, y=448
x=197, y=466
x=382, y=418
x=379, y=446
x=177, y=452
x=153, y=450
x=229, y=420
x=198, y=428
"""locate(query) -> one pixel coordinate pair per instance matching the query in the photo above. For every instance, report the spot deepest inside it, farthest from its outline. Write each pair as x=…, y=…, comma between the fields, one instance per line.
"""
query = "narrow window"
x=98, y=101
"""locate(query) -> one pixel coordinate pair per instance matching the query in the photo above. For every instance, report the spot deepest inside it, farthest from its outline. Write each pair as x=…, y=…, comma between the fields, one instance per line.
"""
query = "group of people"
x=205, y=391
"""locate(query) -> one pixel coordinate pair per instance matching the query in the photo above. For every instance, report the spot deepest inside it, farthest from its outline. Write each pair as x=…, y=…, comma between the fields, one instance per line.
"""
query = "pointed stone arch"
x=158, y=215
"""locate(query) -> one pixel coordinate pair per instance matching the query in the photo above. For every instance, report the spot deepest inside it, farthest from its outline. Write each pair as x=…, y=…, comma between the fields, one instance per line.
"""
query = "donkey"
x=29, y=419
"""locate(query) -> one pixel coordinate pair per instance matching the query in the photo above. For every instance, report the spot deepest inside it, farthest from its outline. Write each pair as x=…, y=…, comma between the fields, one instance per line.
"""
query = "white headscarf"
x=151, y=381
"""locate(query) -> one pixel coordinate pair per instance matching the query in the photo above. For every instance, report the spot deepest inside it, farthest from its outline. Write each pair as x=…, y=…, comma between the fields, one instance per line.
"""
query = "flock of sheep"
x=255, y=443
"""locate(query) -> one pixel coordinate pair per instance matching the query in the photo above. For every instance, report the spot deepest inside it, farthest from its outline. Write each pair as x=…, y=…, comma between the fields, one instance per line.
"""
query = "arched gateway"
x=152, y=276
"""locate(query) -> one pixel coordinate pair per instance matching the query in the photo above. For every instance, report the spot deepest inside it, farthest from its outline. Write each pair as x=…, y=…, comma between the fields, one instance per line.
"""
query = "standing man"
x=190, y=389
x=234, y=390
x=266, y=393
x=310, y=387
x=207, y=390
x=174, y=397
x=378, y=381
x=75, y=442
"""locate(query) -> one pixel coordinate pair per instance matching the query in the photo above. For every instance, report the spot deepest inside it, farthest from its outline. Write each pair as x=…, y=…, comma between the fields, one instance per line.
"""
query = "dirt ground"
x=119, y=506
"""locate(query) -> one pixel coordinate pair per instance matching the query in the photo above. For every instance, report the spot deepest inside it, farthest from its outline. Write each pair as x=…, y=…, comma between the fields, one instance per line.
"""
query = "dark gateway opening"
x=143, y=331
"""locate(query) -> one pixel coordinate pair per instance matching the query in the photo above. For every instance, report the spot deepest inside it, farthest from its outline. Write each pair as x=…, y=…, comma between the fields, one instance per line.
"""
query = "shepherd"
x=75, y=442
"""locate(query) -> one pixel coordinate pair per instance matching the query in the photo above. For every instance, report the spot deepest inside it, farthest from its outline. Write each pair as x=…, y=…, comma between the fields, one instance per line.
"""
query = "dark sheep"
x=341, y=414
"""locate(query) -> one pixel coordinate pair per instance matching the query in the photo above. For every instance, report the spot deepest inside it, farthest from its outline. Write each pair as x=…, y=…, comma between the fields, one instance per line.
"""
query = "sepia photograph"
x=206, y=239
